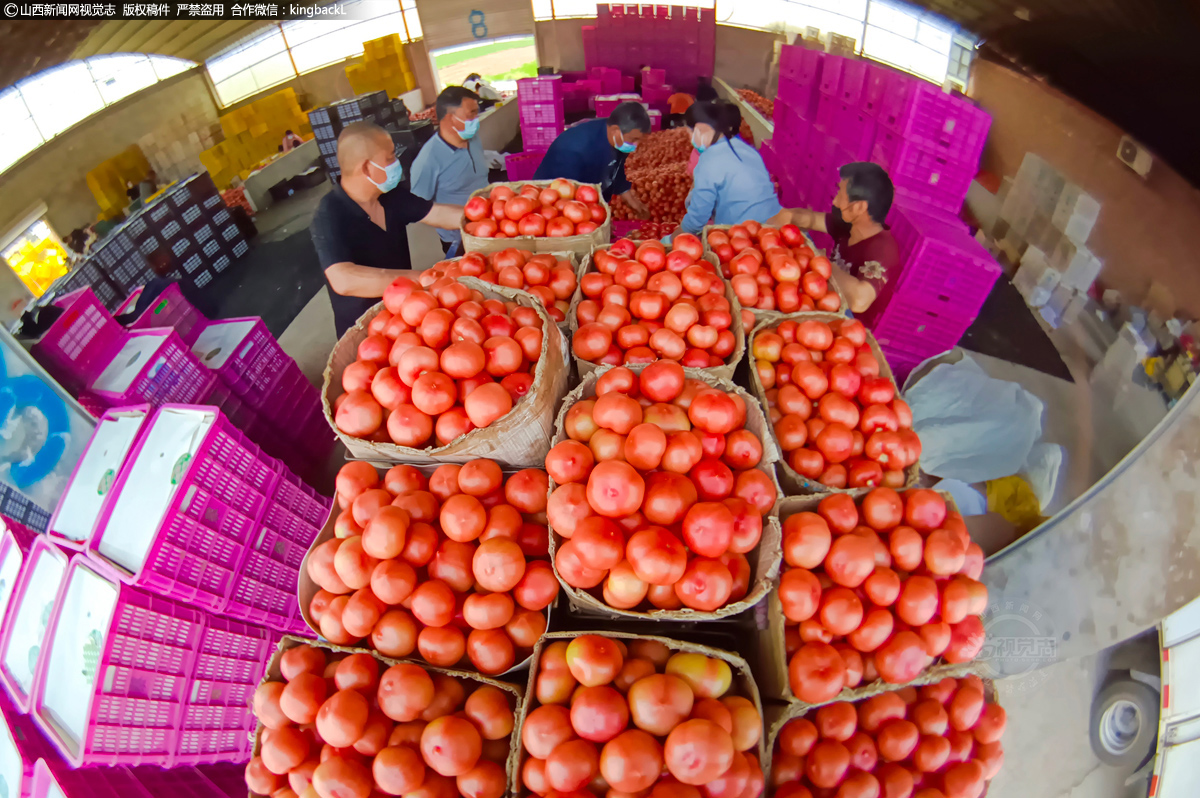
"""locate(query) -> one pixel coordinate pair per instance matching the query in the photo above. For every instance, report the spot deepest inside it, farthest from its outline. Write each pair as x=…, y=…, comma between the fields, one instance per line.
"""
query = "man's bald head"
x=360, y=142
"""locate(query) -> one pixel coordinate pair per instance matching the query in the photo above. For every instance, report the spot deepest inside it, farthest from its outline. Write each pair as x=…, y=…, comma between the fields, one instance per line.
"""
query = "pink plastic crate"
x=170, y=309
x=855, y=130
x=875, y=87
x=80, y=342
x=801, y=98
x=831, y=74
x=543, y=89
x=522, y=165
x=299, y=417
x=911, y=165
x=542, y=113
x=245, y=356
x=166, y=372
x=625, y=227
x=239, y=412
x=790, y=60
x=827, y=108
x=653, y=77
x=224, y=780
x=538, y=138
x=198, y=549
x=89, y=487
x=21, y=746
x=854, y=76
x=655, y=121
x=51, y=778
x=943, y=123
x=164, y=683
x=943, y=265
x=895, y=100
x=913, y=327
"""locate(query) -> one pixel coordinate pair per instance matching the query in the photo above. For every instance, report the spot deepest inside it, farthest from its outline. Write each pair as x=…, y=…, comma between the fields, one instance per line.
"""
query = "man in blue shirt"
x=595, y=151
x=451, y=164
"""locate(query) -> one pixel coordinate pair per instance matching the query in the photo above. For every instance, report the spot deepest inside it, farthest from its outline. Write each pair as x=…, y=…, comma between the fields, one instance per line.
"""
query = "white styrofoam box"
x=1078, y=266
x=1076, y=213
x=1060, y=297
x=1051, y=316
x=1036, y=282
x=1075, y=307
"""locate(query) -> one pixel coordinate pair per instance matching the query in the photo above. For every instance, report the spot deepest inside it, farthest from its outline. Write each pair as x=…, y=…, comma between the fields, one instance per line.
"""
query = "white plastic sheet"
x=973, y=427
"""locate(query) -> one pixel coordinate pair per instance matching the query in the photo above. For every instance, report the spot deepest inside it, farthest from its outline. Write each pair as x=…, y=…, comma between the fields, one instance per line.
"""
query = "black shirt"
x=343, y=232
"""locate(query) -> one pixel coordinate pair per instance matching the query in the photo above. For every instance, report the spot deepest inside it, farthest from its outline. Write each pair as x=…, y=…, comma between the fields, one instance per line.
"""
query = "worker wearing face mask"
x=360, y=227
x=865, y=257
x=595, y=151
x=451, y=165
x=731, y=184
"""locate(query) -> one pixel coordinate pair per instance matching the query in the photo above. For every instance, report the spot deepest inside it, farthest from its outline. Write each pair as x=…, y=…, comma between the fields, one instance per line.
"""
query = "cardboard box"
x=581, y=244
x=1076, y=213
x=1077, y=265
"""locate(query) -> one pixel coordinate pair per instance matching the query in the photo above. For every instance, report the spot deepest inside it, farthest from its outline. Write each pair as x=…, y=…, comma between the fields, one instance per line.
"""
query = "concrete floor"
x=1047, y=752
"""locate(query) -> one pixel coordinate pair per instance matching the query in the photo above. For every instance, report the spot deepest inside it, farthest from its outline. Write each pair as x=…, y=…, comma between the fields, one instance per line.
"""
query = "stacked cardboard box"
x=384, y=68
x=1045, y=223
x=253, y=134
x=109, y=180
x=173, y=145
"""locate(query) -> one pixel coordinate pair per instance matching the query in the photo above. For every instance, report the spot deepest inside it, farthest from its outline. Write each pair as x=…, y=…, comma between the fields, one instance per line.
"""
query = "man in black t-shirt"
x=359, y=227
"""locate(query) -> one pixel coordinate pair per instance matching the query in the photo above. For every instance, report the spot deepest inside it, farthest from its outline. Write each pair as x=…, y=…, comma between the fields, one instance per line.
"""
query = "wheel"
x=1124, y=723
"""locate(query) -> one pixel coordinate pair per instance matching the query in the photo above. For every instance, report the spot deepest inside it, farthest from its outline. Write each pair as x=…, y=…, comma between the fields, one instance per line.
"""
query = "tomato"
x=756, y=489
x=924, y=510
x=918, y=600
x=877, y=710
x=906, y=547
x=806, y=540
x=859, y=784
x=966, y=640
x=660, y=702
x=656, y=555
x=837, y=721
x=931, y=753
x=851, y=560
x=713, y=479
x=799, y=594
x=698, y=752
x=810, y=379
x=342, y=776
x=991, y=724
x=816, y=673
x=839, y=512
x=882, y=586
x=841, y=611
x=632, y=761
x=600, y=542
x=896, y=739
x=708, y=528
x=706, y=584
x=882, y=509
x=875, y=628
x=615, y=489
x=901, y=658
x=827, y=763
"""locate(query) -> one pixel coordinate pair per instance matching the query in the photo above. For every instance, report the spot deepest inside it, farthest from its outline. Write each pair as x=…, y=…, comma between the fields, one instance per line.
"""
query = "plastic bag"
x=972, y=427
x=1014, y=500
x=1041, y=471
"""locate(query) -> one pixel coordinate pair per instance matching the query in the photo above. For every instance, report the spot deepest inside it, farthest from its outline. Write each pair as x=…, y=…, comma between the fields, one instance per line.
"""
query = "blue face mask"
x=394, y=173
x=625, y=146
x=470, y=128
x=699, y=147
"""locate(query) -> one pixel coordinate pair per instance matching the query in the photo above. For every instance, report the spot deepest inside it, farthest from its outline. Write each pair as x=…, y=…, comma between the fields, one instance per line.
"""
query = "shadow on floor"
x=1006, y=329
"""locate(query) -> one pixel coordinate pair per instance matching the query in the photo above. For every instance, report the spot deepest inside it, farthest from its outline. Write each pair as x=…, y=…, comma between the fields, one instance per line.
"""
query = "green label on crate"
x=106, y=481
x=160, y=307
x=179, y=467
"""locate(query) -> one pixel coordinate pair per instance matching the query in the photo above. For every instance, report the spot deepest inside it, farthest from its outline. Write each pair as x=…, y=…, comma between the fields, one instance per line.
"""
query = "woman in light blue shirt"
x=731, y=184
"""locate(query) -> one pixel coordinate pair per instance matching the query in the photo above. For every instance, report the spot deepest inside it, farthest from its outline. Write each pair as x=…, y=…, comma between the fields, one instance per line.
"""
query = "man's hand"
x=801, y=217
x=447, y=217
x=636, y=205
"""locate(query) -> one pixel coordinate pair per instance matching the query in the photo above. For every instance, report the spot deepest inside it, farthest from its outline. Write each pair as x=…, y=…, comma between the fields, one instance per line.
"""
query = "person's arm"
x=801, y=217
x=701, y=201
x=860, y=294
x=350, y=279
x=447, y=217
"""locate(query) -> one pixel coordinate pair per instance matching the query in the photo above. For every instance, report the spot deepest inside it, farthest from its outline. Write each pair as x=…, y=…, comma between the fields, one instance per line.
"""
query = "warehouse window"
x=293, y=48
x=910, y=38
x=39, y=108
x=501, y=62
x=569, y=9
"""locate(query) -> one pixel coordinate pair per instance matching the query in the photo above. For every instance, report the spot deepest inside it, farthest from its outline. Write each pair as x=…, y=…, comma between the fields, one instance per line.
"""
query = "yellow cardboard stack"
x=385, y=67
x=253, y=134
x=108, y=180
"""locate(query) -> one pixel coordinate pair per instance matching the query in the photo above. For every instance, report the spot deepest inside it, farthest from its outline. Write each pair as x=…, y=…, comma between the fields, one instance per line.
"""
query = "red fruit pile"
x=336, y=727
x=438, y=362
x=644, y=303
x=560, y=209
x=773, y=269
x=836, y=419
x=878, y=590
x=761, y=104
x=658, y=494
x=658, y=172
x=550, y=279
x=941, y=740
x=637, y=719
x=450, y=567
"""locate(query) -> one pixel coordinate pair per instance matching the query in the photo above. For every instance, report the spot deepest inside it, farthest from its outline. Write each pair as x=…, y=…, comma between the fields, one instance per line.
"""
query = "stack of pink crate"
x=677, y=40
x=946, y=278
x=542, y=113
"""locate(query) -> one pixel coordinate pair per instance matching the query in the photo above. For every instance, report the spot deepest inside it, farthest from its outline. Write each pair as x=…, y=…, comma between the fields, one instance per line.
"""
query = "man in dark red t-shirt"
x=865, y=258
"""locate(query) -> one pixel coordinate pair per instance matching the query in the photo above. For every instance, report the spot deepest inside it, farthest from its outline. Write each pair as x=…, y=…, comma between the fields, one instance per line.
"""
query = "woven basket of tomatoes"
x=878, y=587
x=638, y=303
x=552, y=277
x=448, y=373
x=662, y=491
x=941, y=736
x=449, y=564
x=538, y=216
x=334, y=721
x=773, y=269
x=638, y=715
x=835, y=410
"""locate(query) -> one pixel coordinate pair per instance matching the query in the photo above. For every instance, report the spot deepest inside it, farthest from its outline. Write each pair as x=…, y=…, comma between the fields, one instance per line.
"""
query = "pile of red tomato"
x=342, y=726
x=836, y=419
x=439, y=361
x=633, y=718
x=878, y=590
x=773, y=269
x=643, y=303
x=550, y=279
x=658, y=495
x=941, y=740
x=451, y=566
x=559, y=209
